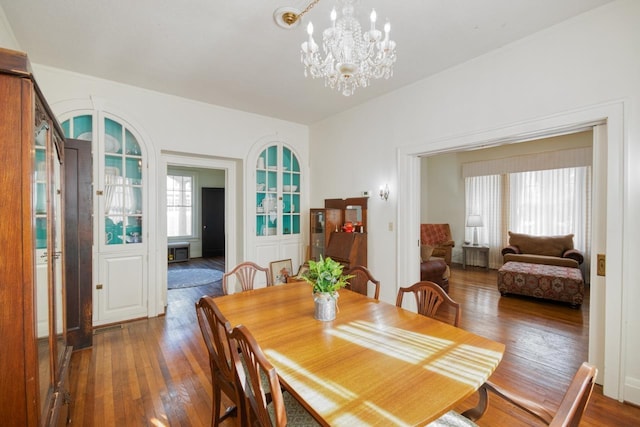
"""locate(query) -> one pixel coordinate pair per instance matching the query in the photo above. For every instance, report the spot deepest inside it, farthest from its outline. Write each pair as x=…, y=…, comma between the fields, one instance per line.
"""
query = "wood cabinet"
x=326, y=231
x=35, y=357
x=322, y=223
x=349, y=249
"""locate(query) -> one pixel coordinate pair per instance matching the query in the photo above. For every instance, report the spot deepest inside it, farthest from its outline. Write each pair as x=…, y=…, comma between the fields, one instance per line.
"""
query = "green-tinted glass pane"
x=113, y=165
x=65, y=128
x=132, y=148
x=82, y=127
x=41, y=232
x=296, y=224
x=113, y=230
x=134, y=171
x=113, y=136
x=272, y=156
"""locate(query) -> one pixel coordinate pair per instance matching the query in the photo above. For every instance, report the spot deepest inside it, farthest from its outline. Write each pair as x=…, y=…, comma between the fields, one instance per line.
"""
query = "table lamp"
x=475, y=221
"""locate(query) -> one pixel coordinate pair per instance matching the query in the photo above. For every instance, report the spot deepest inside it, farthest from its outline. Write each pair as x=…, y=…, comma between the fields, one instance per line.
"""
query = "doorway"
x=607, y=331
x=233, y=234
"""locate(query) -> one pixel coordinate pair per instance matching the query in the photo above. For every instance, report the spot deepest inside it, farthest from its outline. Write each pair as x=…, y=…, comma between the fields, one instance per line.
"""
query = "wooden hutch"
x=35, y=356
x=327, y=235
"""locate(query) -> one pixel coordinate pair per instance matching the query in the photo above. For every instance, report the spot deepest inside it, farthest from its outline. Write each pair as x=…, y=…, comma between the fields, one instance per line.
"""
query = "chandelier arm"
x=306, y=9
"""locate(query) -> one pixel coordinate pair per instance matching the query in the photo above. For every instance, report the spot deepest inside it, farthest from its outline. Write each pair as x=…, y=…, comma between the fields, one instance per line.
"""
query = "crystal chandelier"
x=350, y=58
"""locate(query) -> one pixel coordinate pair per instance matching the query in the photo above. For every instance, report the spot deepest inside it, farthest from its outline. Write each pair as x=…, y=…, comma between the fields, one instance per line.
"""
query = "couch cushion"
x=542, y=259
x=541, y=245
x=425, y=252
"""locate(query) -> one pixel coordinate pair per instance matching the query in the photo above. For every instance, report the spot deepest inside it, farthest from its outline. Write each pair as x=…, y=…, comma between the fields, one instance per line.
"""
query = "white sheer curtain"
x=553, y=202
x=544, y=202
x=484, y=196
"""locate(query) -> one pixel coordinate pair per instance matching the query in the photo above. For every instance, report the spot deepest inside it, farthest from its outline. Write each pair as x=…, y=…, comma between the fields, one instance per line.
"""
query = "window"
x=179, y=205
x=541, y=202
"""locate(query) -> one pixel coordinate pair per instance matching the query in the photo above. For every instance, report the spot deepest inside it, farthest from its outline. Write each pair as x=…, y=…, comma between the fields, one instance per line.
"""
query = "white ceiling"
x=231, y=53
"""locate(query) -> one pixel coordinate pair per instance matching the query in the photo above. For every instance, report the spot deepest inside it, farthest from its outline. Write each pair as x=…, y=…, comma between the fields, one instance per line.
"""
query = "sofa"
x=544, y=267
x=438, y=236
x=551, y=250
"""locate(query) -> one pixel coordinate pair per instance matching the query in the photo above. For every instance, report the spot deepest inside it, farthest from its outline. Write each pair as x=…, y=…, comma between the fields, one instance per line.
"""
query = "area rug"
x=178, y=278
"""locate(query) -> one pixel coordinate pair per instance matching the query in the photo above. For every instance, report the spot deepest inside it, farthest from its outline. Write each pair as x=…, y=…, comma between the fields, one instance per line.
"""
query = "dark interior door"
x=78, y=238
x=212, y=222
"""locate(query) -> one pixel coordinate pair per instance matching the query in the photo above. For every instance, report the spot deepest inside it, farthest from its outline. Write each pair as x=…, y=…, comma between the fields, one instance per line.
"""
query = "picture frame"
x=280, y=271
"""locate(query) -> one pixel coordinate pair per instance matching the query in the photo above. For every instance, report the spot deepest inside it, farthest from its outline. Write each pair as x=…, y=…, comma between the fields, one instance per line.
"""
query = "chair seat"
x=296, y=414
x=452, y=419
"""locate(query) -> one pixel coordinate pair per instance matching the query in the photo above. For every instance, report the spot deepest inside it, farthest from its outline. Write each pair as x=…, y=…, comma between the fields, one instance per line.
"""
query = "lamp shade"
x=474, y=220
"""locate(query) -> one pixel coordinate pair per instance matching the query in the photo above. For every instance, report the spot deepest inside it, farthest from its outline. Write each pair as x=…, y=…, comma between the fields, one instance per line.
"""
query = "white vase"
x=325, y=306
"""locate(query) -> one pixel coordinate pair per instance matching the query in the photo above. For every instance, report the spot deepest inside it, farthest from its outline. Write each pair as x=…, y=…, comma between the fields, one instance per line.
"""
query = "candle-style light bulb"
x=387, y=28
x=310, y=29
x=373, y=19
x=333, y=15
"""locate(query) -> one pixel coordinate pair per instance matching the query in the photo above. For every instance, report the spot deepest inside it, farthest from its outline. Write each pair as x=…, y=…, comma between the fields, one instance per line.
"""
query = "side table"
x=484, y=250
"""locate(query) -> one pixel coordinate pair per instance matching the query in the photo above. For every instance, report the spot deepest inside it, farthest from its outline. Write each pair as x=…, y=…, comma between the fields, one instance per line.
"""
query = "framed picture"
x=280, y=271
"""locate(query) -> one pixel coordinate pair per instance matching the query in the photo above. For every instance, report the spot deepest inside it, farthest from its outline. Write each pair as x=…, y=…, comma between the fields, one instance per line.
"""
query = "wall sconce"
x=384, y=192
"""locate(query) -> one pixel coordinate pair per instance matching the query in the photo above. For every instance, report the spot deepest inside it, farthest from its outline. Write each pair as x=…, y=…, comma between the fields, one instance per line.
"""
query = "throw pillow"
x=425, y=252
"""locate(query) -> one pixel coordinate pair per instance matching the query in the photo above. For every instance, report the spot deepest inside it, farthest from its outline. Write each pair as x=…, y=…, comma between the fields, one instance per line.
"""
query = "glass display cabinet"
x=322, y=223
x=278, y=183
x=36, y=361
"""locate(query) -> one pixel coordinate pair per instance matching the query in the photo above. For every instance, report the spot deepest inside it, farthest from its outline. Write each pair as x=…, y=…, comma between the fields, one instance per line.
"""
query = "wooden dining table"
x=375, y=364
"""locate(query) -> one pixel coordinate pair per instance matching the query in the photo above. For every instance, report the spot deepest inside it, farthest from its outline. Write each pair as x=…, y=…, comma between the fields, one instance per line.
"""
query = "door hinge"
x=99, y=192
x=602, y=265
x=99, y=286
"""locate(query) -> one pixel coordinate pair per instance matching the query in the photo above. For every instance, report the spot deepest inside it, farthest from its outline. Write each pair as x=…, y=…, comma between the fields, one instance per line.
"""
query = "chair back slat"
x=360, y=281
x=432, y=301
x=245, y=273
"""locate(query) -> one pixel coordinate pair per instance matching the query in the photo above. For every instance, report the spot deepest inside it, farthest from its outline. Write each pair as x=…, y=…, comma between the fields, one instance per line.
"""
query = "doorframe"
x=613, y=340
x=229, y=166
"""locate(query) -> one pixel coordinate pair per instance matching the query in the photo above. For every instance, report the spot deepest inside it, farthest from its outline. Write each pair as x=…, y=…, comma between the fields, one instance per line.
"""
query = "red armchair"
x=439, y=237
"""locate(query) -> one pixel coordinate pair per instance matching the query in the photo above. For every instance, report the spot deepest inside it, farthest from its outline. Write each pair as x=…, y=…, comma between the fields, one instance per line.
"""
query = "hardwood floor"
x=155, y=372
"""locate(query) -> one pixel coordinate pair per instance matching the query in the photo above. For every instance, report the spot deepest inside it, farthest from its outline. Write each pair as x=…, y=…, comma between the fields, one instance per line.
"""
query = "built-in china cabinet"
x=34, y=364
x=275, y=198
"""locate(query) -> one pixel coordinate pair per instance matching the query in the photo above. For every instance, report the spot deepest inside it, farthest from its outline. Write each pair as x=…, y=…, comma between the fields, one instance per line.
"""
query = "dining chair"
x=432, y=301
x=360, y=281
x=215, y=329
x=257, y=378
x=569, y=412
x=245, y=274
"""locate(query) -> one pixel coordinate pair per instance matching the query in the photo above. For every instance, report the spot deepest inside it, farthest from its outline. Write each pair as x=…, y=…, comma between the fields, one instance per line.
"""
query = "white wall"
x=7, y=38
x=583, y=62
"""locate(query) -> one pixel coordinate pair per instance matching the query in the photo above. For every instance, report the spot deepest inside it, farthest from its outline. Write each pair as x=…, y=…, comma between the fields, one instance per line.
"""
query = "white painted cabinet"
x=275, y=181
x=120, y=242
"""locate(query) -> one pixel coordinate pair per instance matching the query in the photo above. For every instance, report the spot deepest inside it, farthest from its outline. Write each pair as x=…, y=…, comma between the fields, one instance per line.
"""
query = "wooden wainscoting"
x=155, y=372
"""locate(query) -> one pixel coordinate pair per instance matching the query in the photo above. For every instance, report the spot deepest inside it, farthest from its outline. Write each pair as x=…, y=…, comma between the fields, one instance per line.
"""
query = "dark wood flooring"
x=155, y=372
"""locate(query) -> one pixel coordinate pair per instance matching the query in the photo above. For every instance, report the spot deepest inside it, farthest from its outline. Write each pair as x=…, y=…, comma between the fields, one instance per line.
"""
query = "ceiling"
x=231, y=53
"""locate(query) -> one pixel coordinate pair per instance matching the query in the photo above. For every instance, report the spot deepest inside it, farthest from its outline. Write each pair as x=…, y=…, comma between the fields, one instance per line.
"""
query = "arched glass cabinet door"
x=278, y=183
x=121, y=170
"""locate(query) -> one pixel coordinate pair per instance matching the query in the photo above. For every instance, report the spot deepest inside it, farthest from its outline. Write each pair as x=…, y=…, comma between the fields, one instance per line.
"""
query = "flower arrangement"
x=325, y=276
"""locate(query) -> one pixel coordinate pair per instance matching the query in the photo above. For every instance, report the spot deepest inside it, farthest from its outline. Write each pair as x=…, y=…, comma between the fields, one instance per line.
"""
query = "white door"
x=120, y=215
